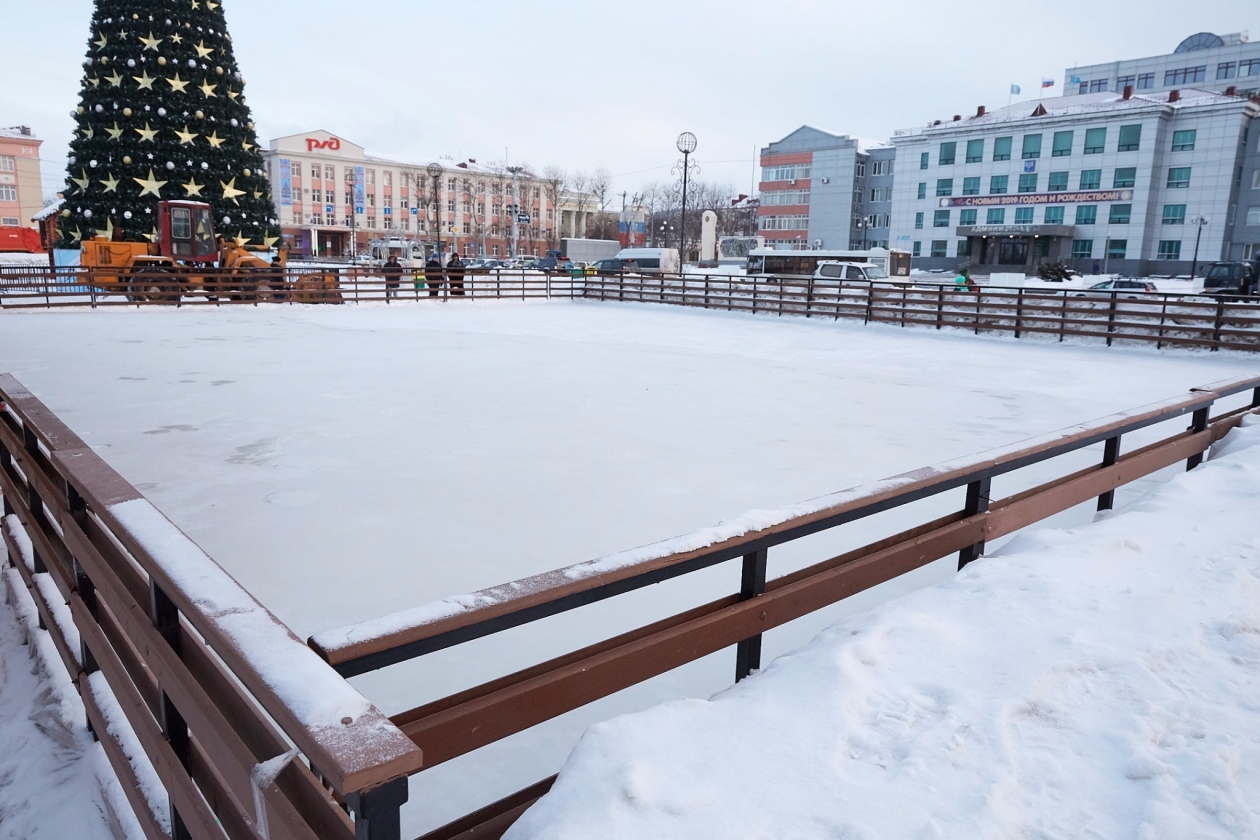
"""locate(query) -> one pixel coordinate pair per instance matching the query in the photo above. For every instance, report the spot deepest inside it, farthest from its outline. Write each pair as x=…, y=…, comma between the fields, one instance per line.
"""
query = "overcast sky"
x=587, y=84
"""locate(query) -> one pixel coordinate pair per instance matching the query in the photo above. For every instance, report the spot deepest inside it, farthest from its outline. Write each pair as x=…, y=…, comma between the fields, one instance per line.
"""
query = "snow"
x=1087, y=682
x=54, y=781
x=26, y=551
x=348, y=463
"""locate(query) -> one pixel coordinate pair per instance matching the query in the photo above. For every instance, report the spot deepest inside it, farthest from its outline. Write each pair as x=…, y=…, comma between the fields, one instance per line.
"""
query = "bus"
x=805, y=263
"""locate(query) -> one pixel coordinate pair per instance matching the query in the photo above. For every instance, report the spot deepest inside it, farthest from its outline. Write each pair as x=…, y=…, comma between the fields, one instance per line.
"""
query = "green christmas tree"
x=162, y=116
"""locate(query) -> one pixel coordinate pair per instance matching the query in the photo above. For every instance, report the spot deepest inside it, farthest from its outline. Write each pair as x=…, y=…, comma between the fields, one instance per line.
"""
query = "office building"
x=21, y=189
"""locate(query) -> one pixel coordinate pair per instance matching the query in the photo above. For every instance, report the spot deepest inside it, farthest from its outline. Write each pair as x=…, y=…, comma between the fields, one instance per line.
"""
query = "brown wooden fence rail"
x=41, y=287
x=466, y=721
x=211, y=684
x=1123, y=316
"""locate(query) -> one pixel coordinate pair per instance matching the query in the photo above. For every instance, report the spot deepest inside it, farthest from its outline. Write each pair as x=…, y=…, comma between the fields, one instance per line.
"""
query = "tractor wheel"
x=156, y=285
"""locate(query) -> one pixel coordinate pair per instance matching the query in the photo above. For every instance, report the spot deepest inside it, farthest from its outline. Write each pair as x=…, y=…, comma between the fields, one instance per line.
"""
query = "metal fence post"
x=978, y=493
x=1198, y=423
x=1111, y=455
x=1111, y=318
x=1255, y=399
x=752, y=585
x=1019, y=311
x=376, y=810
x=165, y=617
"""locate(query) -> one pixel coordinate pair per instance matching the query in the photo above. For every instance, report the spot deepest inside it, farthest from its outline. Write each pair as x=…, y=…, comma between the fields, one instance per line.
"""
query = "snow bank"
x=1097, y=682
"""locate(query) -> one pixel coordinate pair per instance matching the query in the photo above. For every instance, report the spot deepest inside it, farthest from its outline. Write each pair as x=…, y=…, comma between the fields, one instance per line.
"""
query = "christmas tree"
x=162, y=116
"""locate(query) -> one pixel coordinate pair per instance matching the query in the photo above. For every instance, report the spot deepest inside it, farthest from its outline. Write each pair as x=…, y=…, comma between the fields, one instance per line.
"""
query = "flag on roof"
x=1076, y=80
x=1046, y=83
x=1015, y=90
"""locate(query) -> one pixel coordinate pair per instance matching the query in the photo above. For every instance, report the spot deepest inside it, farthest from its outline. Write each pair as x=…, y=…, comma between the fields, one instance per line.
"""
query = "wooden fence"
x=254, y=734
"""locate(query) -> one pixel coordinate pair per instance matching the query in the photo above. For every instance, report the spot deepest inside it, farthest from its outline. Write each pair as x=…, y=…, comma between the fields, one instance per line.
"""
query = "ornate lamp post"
x=354, y=217
x=1200, y=223
x=686, y=144
x=435, y=172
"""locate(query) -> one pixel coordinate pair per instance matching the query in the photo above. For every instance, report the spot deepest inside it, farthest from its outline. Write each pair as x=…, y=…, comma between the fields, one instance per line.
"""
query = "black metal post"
x=1255, y=399
x=978, y=493
x=376, y=810
x=1198, y=423
x=1111, y=455
x=35, y=505
x=682, y=226
x=752, y=584
x=1194, y=267
x=165, y=617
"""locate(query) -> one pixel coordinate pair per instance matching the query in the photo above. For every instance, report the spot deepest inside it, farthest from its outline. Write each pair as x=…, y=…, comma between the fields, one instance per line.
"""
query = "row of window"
x=1090, y=179
x=879, y=220
x=881, y=194
x=1176, y=78
x=881, y=167
x=1086, y=214
x=780, y=198
x=796, y=222
x=1082, y=249
x=790, y=172
x=387, y=177
x=1129, y=140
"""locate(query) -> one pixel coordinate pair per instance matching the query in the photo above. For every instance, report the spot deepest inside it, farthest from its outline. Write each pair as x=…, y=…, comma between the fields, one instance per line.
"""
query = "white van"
x=652, y=260
x=850, y=271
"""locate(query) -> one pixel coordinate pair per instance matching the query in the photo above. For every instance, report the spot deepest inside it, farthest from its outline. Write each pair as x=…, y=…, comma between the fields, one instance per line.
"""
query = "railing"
x=1227, y=323
x=170, y=653
x=475, y=718
x=41, y=287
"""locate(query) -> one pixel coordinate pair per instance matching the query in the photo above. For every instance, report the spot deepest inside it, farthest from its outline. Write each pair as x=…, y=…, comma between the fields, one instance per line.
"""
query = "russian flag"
x=1047, y=83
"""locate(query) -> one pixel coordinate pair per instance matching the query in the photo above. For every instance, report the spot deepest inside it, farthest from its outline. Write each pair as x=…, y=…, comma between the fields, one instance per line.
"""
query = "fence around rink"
x=1124, y=316
x=254, y=735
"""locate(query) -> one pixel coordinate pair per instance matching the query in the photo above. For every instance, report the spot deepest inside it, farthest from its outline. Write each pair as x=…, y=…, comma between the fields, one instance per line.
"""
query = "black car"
x=613, y=266
x=1230, y=278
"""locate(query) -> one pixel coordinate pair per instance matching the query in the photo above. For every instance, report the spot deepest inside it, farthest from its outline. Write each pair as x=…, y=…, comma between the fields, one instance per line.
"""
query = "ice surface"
x=349, y=463
x=1092, y=682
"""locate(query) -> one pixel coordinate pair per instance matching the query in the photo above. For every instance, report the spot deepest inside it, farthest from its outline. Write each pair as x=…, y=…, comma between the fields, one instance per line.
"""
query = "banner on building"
x=286, y=182
x=1025, y=199
x=360, y=191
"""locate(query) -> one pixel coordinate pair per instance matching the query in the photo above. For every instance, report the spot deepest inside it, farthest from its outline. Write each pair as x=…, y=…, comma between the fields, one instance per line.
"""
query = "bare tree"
x=555, y=181
x=580, y=186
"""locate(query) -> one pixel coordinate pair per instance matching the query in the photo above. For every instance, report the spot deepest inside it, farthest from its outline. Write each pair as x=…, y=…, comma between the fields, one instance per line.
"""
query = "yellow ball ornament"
x=126, y=112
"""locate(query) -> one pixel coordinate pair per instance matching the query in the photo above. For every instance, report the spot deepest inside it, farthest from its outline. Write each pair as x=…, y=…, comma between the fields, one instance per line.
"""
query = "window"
x=1024, y=215
x=963, y=249
x=371, y=199
x=1253, y=217
x=996, y=216
x=940, y=219
x=370, y=176
x=918, y=221
x=1125, y=178
x=1095, y=86
x=997, y=184
x=1255, y=180
x=948, y=152
x=1169, y=250
x=877, y=194
x=881, y=167
x=940, y=247
x=922, y=190
x=784, y=222
x=917, y=249
x=317, y=197
x=1082, y=249
x=924, y=160
x=1032, y=146
x=1120, y=214
x=8, y=192
x=1145, y=81
x=1002, y=148
x=1185, y=76
x=1095, y=141
x=781, y=198
x=1028, y=183
x=295, y=170
x=1174, y=214
x=1178, y=177
x=1086, y=214
x=967, y=218
x=1130, y=138
x=450, y=185
x=10, y=221
x=971, y=186
x=330, y=172
x=1091, y=179
x=450, y=206
x=1058, y=182
x=975, y=151
x=945, y=186
x=1116, y=249
x=1054, y=215
x=1249, y=68
x=1125, y=81
x=1226, y=70
x=1062, y=144
x=389, y=178
x=1183, y=141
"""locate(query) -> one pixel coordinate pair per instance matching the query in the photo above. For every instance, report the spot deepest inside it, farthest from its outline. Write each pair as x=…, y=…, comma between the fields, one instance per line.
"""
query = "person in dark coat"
x=393, y=276
x=455, y=273
x=433, y=276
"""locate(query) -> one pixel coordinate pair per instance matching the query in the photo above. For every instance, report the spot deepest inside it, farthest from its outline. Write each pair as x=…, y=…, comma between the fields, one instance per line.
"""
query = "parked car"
x=1131, y=289
x=1230, y=278
x=613, y=266
x=840, y=270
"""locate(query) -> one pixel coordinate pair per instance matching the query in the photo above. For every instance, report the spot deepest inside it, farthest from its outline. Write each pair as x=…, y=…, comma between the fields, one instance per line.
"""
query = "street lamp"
x=1200, y=223
x=435, y=172
x=515, y=208
x=686, y=144
x=861, y=225
x=351, y=183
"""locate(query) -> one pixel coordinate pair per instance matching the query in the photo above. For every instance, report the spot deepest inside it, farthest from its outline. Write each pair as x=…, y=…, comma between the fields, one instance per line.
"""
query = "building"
x=317, y=178
x=1203, y=60
x=814, y=188
x=21, y=187
x=1136, y=181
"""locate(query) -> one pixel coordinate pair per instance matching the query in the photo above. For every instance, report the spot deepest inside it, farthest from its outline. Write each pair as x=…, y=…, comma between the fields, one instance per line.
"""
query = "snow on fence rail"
x=165, y=646
x=253, y=735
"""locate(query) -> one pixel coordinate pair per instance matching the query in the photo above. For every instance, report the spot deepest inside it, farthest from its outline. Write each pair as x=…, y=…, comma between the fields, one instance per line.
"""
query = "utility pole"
x=516, y=204
x=435, y=172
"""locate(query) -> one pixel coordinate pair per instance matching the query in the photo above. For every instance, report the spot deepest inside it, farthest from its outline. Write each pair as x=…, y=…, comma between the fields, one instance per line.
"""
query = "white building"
x=1121, y=178
x=1203, y=60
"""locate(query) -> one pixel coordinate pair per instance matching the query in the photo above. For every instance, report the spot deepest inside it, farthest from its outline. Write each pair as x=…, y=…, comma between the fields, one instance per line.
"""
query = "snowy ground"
x=1091, y=682
x=347, y=462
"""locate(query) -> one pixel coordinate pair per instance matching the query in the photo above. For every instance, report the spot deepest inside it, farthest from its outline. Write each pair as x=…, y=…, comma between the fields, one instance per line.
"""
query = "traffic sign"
x=522, y=219
x=415, y=211
x=330, y=210
x=389, y=211
x=358, y=209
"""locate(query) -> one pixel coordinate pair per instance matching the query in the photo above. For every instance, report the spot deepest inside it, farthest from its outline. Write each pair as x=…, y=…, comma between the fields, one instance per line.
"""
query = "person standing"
x=393, y=276
x=455, y=274
x=433, y=277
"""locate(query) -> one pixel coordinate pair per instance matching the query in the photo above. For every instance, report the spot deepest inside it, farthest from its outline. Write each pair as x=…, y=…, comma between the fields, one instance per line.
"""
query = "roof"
x=49, y=209
x=18, y=132
x=1086, y=103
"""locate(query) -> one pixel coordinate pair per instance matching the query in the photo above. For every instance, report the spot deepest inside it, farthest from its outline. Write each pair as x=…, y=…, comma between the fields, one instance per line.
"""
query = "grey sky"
x=589, y=84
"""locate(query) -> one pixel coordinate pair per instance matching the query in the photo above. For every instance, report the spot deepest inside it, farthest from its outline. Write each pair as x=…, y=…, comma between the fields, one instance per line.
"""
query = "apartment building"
x=21, y=187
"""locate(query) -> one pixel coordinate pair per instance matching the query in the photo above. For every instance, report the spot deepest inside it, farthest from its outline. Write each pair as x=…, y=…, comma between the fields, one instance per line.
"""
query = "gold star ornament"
x=82, y=181
x=100, y=44
x=177, y=84
x=114, y=133
x=230, y=192
x=202, y=50
x=270, y=241
x=114, y=80
x=192, y=188
x=241, y=239
x=145, y=81
x=215, y=140
x=110, y=183
x=146, y=134
x=186, y=137
x=208, y=89
x=151, y=43
x=150, y=186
